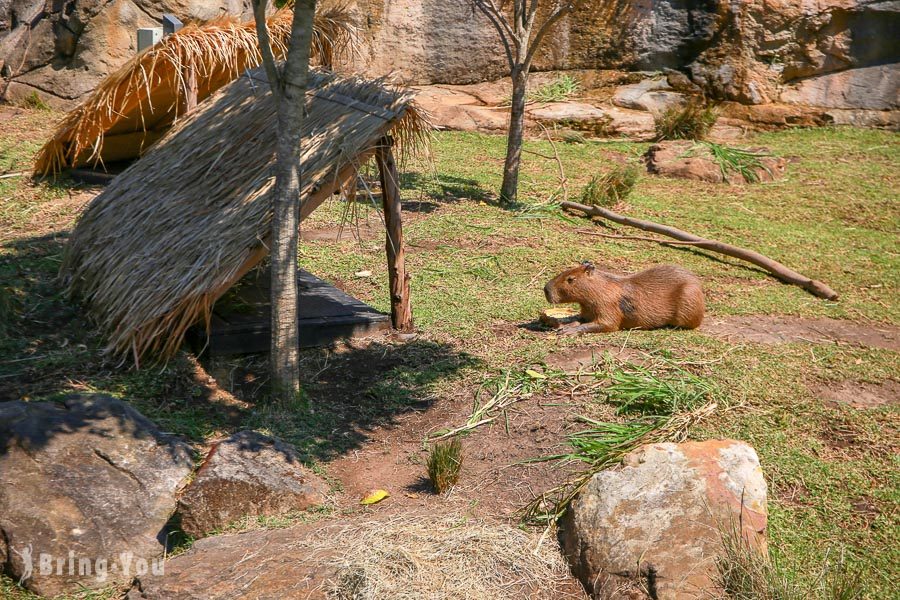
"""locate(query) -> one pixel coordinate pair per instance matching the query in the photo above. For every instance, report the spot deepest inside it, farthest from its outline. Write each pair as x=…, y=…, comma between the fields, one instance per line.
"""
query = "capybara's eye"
x=570, y=279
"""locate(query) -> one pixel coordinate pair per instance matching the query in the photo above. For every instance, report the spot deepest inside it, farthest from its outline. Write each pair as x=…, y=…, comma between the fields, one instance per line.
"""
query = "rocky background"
x=827, y=53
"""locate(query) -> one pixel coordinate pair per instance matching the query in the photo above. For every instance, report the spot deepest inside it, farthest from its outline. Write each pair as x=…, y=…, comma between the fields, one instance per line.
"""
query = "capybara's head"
x=571, y=285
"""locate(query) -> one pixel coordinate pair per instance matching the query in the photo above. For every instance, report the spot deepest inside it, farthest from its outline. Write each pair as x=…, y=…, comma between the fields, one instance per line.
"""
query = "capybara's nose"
x=547, y=293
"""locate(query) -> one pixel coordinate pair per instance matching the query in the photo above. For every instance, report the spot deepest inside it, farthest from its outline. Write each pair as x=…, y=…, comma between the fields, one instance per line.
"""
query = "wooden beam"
x=187, y=102
x=401, y=315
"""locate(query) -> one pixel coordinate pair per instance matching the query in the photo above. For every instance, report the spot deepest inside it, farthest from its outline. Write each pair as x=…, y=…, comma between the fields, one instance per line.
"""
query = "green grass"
x=559, y=90
x=611, y=187
x=735, y=160
x=692, y=121
x=445, y=460
x=478, y=270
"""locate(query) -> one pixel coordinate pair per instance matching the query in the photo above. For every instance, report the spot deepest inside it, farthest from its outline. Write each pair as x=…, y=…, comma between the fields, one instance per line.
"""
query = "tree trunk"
x=509, y=190
x=290, y=92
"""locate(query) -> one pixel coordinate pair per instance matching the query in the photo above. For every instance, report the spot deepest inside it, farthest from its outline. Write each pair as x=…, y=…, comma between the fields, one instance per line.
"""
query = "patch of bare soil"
x=859, y=394
x=766, y=329
x=575, y=359
x=350, y=231
x=494, y=484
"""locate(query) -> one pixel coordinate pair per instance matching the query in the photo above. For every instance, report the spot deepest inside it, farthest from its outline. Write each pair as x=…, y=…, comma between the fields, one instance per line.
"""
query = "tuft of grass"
x=570, y=136
x=559, y=90
x=690, y=122
x=638, y=390
x=746, y=573
x=610, y=188
x=744, y=162
x=34, y=101
x=445, y=464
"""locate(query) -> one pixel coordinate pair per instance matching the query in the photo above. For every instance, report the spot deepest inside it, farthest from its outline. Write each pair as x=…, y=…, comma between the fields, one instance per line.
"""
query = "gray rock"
x=88, y=478
x=248, y=474
x=871, y=88
x=651, y=95
x=656, y=522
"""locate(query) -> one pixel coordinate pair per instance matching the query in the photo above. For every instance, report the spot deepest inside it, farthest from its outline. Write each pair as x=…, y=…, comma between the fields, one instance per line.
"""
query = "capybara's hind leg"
x=689, y=312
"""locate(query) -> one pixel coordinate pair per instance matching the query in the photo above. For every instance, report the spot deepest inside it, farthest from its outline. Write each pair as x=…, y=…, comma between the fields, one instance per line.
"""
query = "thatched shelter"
x=136, y=105
x=170, y=234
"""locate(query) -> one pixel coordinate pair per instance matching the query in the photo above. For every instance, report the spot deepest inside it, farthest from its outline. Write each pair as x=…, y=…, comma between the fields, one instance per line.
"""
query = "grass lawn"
x=478, y=270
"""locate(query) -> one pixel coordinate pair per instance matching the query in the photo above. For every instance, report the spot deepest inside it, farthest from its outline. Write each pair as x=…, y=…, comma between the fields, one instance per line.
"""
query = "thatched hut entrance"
x=154, y=251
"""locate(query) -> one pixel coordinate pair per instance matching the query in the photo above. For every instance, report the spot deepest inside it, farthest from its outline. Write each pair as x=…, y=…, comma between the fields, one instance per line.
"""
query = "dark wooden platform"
x=240, y=322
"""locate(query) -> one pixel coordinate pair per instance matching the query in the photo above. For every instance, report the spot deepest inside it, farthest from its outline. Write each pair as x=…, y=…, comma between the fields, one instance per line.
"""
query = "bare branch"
x=492, y=10
x=558, y=14
x=265, y=47
x=500, y=24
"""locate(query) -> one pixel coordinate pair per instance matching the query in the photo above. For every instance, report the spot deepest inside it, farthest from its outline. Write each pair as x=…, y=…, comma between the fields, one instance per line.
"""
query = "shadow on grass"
x=49, y=348
x=440, y=188
x=348, y=394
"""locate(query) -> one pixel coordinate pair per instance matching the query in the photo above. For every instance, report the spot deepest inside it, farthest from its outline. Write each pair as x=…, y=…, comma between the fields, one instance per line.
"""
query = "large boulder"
x=741, y=51
x=763, y=44
x=88, y=486
x=873, y=88
x=248, y=474
x=657, y=522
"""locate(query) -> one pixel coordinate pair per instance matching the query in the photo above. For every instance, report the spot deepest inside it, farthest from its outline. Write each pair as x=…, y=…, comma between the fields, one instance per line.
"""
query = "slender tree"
x=288, y=83
x=514, y=21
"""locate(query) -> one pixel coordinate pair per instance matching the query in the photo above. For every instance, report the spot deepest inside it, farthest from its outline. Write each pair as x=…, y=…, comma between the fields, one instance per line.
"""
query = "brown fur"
x=661, y=296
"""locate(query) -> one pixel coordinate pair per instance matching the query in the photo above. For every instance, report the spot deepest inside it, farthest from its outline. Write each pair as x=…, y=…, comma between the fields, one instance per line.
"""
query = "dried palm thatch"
x=168, y=236
x=133, y=107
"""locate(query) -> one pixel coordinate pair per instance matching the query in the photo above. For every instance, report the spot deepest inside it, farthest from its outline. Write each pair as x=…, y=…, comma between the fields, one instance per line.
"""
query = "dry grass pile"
x=167, y=237
x=442, y=557
x=133, y=107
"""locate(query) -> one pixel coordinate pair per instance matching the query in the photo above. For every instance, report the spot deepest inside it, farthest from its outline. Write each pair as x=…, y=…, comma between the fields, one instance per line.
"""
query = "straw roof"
x=133, y=107
x=169, y=235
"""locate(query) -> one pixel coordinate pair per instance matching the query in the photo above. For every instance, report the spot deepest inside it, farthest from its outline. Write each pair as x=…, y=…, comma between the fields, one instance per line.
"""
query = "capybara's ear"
x=588, y=266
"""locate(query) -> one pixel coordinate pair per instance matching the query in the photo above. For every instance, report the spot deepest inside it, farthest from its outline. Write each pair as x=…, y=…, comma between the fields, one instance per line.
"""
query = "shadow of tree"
x=51, y=349
x=347, y=394
x=442, y=188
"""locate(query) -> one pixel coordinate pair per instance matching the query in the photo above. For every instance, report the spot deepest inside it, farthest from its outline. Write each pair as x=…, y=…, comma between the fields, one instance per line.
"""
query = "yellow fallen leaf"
x=375, y=497
x=534, y=374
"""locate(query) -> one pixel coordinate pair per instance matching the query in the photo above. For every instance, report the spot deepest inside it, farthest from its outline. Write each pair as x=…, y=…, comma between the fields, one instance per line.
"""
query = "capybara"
x=661, y=296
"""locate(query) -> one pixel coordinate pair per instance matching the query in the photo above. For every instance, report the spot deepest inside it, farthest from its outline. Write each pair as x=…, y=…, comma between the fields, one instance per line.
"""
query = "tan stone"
x=657, y=521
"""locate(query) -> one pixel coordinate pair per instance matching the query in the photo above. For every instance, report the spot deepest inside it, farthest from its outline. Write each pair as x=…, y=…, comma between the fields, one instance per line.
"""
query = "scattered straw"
x=415, y=557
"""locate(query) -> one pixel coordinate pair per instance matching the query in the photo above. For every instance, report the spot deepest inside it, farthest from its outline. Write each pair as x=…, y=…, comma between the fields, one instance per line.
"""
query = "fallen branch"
x=635, y=238
x=778, y=270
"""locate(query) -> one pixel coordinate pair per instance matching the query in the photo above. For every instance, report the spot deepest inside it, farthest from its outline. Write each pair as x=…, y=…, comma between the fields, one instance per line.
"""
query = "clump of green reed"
x=445, y=464
x=693, y=121
x=610, y=188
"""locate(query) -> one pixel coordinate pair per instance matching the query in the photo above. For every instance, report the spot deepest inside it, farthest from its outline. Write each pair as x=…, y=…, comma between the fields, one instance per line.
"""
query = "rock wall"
x=829, y=53
x=833, y=53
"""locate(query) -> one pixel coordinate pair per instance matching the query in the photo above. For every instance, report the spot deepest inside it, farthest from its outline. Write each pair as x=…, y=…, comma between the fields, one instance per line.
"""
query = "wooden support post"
x=401, y=315
x=188, y=100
